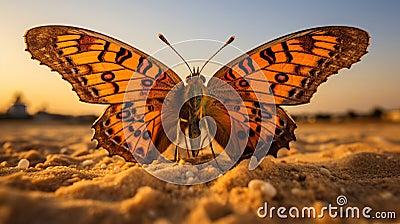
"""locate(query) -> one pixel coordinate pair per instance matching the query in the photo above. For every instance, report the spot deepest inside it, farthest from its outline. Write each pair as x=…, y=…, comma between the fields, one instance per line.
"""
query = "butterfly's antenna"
x=167, y=43
x=222, y=47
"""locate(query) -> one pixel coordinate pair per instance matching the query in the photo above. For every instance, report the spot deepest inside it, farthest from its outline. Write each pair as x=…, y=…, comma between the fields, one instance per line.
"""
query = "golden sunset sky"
x=372, y=82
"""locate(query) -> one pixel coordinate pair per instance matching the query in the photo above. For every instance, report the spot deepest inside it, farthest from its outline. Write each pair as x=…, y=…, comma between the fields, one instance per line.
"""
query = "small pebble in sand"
x=297, y=192
x=64, y=150
x=39, y=166
x=4, y=164
x=190, y=180
x=23, y=164
x=103, y=166
x=386, y=195
x=117, y=169
x=325, y=171
x=7, y=145
x=264, y=187
x=87, y=162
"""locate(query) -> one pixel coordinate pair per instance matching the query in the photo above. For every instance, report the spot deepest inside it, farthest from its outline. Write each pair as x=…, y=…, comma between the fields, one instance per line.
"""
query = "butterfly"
x=282, y=72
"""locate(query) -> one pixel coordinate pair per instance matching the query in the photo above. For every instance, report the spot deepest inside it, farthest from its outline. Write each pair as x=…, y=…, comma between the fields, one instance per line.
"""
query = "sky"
x=374, y=82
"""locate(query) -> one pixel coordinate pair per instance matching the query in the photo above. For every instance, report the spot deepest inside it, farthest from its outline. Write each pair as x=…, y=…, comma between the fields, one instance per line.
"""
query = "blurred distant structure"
x=18, y=109
x=376, y=114
x=392, y=115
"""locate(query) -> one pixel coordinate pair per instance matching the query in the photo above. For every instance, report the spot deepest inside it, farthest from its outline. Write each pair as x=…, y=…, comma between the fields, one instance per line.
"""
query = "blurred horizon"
x=369, y=84
x=44, y=109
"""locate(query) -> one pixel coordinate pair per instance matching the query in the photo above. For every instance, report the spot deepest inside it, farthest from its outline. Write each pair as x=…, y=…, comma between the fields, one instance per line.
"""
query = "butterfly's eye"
x=202, y=78
x=197, y=77
x=187, y=78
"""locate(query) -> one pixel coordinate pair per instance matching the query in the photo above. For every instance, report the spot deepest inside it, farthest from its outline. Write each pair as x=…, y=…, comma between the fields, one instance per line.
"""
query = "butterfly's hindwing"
x=283, y=133
x=278, y=127
x=129, y=130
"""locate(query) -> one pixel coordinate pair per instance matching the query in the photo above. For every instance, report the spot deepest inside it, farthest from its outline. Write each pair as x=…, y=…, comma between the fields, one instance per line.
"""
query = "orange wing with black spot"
x=288, y=71
x=98, y=67
x=104, y=70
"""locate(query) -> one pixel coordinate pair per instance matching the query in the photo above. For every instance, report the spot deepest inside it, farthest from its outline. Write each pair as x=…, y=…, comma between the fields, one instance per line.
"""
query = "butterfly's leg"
x=212, y=150
x=202, y=145
x=176, y=154
x=182, y=124
x=187, y=143
x=211, y=147
x=178, y=137
x=215, y=158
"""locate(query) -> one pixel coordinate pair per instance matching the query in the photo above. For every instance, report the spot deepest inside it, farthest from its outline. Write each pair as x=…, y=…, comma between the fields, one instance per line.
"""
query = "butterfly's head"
x=196, y=73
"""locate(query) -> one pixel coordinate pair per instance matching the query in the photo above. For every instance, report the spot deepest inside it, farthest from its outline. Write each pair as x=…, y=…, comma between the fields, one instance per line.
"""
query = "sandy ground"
x=69, y=181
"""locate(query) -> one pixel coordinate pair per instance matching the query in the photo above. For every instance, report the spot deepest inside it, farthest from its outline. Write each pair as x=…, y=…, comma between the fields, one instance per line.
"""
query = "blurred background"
x=49, y=165
x=369, y=89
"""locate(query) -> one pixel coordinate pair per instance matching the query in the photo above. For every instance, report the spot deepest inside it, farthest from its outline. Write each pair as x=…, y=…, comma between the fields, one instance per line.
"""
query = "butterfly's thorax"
x=195, y=91
x=196, y=95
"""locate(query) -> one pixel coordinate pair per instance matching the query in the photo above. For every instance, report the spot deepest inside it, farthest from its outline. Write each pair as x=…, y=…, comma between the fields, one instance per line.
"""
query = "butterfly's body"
x=285, y=71
x=193, y=110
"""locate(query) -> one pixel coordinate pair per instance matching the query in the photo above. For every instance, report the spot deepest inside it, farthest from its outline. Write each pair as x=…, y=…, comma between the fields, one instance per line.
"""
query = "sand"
x=69, y=181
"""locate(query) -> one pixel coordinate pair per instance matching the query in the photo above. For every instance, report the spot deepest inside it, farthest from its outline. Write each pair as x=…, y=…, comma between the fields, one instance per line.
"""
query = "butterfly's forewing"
x=98, y=67
x=295, y=65
x=102, y=69
x=290, y=69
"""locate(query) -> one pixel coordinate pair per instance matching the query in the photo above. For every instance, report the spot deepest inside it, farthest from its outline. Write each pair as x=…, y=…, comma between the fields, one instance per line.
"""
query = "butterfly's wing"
x=289, y=69
x=101, y=70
